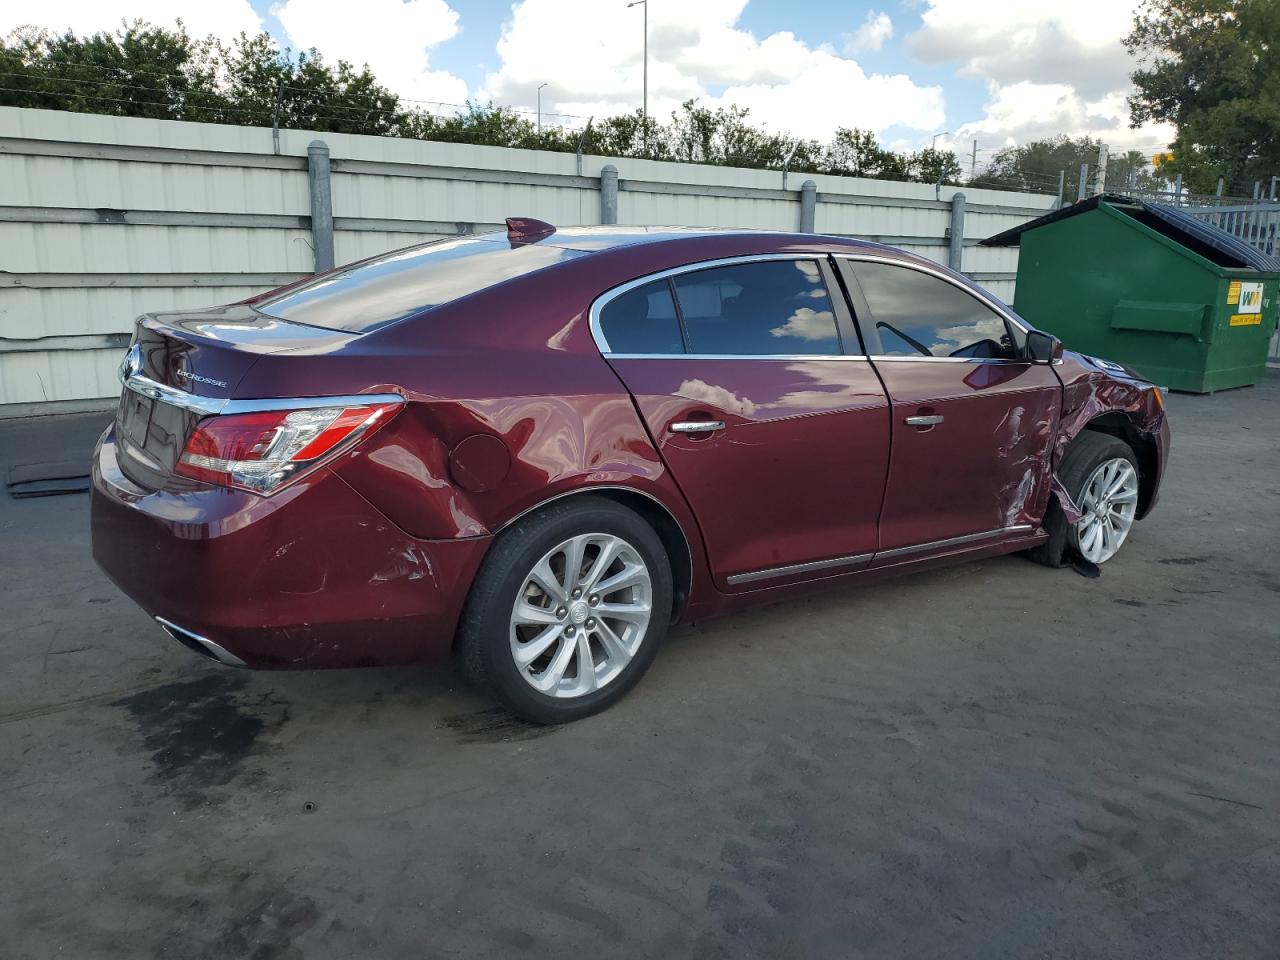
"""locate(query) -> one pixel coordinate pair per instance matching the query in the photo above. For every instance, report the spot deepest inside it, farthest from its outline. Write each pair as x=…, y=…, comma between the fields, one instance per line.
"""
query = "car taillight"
x=264, y=450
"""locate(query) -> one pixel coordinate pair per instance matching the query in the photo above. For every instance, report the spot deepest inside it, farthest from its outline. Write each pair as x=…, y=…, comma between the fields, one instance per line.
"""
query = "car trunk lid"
x=184, y=365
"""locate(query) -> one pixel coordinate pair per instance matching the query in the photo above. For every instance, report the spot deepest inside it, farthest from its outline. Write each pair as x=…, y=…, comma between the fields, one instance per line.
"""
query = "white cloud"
x=392, y=36
x=1041, y=41
x=871, y=36
x=224, y=18
x=590, y=55
x=1049, y=69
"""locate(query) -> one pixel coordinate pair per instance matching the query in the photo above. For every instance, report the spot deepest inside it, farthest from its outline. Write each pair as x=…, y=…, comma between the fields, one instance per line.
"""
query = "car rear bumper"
x=312, y=577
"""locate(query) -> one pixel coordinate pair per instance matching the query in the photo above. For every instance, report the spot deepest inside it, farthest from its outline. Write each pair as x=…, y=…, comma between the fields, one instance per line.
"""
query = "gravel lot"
x=992, y=760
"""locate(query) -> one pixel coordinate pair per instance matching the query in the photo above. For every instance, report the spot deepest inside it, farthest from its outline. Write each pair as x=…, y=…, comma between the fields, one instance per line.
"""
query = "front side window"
x=919, y=315
x=765, y=307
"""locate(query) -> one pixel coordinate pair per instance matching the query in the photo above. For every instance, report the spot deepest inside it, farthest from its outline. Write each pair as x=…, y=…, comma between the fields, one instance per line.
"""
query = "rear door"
x=752, y=382
x=973, y=421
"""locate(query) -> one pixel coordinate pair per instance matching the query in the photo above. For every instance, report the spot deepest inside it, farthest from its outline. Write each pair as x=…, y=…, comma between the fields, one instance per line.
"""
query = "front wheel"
x=568, y=610
x=1100, y=473
x=1109, y=502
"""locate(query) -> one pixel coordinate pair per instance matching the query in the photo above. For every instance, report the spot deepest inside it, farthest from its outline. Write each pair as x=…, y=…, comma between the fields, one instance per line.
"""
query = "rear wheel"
x=568, y=610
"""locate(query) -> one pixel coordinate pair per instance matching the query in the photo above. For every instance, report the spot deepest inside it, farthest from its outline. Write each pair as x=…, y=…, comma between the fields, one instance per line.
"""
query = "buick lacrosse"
x=538, y=449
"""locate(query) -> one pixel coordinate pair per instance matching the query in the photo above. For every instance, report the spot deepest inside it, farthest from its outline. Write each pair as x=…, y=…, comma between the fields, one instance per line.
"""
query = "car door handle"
x=696, y=426
x=932, y=420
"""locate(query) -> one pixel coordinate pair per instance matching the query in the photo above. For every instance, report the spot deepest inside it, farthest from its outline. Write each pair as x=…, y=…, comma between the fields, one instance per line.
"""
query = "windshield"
x=375, y=292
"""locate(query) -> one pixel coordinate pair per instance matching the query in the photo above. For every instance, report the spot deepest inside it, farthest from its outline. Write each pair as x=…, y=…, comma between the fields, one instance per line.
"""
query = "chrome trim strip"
x=792, y=357
x=212, y=406
x=218, y=653
x=794, y=568
x=600, y=302
x=879, y=358
x=953, y=541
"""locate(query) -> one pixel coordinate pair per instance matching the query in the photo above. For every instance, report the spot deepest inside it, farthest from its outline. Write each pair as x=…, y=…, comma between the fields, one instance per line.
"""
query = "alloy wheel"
x=580, y=615
x=1109, y=505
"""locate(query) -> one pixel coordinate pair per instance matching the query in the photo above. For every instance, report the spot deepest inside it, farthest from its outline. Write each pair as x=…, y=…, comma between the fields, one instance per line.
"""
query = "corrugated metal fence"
x=104, y=218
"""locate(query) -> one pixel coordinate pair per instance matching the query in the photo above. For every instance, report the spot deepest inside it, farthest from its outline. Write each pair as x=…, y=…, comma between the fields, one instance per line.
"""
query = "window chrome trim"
x=954, y=541
x=794, y=568
x=602, y=301
x=212, y=406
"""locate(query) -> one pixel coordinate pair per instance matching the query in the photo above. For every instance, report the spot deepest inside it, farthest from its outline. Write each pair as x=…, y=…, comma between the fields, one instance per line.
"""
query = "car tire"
x=524, y=593
x=1085, y=456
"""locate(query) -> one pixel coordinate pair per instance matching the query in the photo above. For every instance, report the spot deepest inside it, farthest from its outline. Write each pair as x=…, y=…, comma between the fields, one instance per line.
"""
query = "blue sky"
x=471, y=54
x=999, y=71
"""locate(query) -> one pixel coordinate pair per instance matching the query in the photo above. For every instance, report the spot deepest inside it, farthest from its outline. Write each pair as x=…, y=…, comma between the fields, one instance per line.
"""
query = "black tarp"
x=1227, y=249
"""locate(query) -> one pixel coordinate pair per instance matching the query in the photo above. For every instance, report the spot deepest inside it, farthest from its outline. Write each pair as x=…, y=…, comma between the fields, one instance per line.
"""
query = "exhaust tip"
x=201, y=645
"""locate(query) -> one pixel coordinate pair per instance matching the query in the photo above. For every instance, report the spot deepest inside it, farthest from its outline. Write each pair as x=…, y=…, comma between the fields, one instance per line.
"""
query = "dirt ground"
x=992, y=760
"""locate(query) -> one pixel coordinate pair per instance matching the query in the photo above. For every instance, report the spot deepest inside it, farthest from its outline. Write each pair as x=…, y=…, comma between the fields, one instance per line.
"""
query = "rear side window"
x=399, y=284
x=642, y=320
x=918, y=315
x=759, y=308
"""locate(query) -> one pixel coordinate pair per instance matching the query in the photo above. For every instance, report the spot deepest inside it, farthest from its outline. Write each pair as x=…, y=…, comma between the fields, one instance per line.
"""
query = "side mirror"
x=1043, y=347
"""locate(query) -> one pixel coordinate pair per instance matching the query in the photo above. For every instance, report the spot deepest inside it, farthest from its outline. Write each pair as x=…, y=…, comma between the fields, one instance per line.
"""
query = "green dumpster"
x=1186, y=304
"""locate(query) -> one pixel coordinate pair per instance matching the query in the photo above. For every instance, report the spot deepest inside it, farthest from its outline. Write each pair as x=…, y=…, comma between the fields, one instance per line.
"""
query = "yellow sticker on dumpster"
x=1246, y=320
x=1233, y=292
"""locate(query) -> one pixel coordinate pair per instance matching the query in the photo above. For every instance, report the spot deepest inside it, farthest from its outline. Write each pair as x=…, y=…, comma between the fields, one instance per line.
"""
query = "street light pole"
x=644, y=113
x=934, y=142
x=540, y=86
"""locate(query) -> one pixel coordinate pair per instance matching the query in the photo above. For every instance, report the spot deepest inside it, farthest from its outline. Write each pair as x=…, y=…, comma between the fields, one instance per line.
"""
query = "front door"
x=973, y=422
x=776, y=429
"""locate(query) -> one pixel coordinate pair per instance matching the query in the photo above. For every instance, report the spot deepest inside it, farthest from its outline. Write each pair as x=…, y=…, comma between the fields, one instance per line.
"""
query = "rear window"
x=399, y=284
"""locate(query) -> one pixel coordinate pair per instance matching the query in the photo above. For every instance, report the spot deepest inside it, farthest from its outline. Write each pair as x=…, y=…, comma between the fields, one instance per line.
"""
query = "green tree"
x=1212, y=69
x=1036, y=164
x=146, y=71
x=931, y=165
x=857, y=153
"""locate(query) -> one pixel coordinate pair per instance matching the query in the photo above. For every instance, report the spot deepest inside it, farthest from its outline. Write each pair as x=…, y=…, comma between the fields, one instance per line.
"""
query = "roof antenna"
x=527, y=230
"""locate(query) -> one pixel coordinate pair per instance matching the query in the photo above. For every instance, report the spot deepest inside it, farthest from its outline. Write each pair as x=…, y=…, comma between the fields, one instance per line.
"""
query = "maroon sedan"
x=539, y=449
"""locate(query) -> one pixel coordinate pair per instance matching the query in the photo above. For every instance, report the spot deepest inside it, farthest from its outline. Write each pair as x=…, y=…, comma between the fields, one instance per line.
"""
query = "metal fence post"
x=319, y=184
x=955, y=253
x=608, y=193
x=808, y=207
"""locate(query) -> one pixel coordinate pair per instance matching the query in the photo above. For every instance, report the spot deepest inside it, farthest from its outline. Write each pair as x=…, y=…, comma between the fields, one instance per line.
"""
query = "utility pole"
x=1062, y=184
x=1101, y=187
x=644, y=113
x=1273, y=187
x=973, y=161
x=540, y=86
x=1082, y=190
